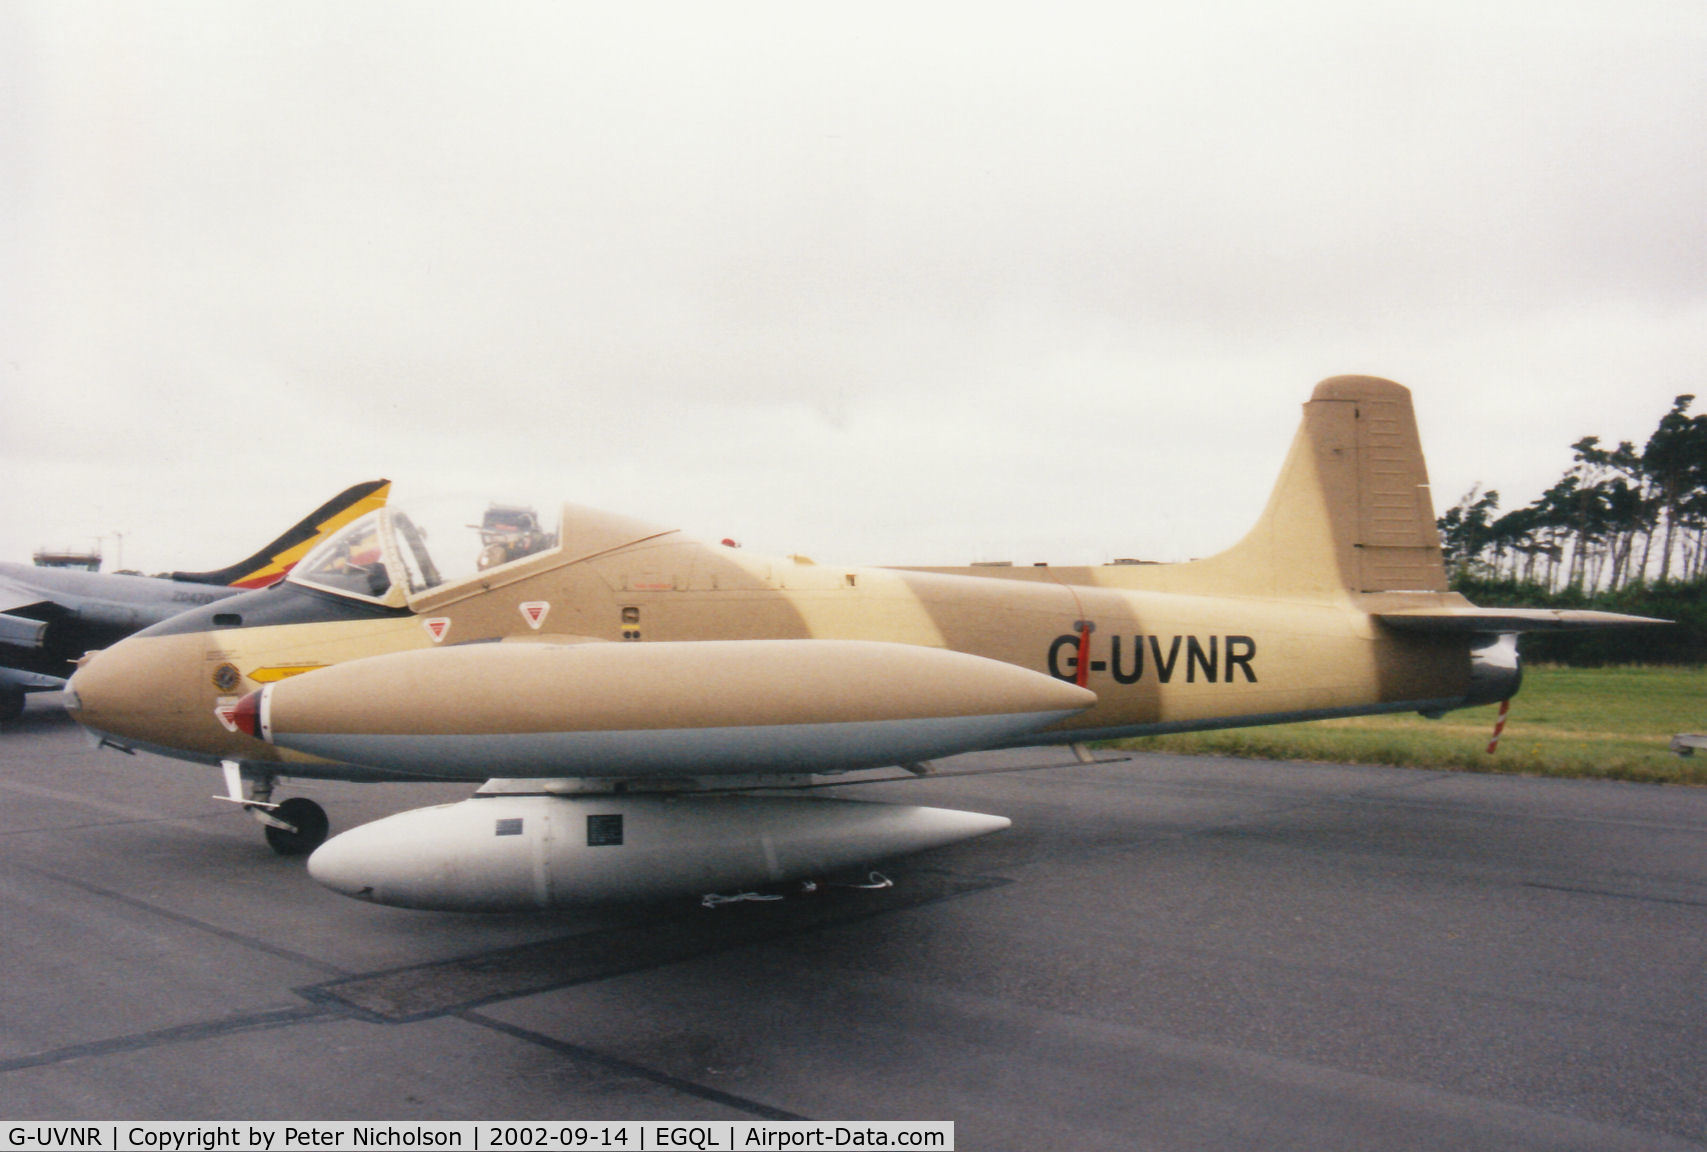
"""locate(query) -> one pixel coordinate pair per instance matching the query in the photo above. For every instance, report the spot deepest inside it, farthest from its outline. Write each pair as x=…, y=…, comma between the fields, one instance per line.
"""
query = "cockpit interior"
x=389, y=556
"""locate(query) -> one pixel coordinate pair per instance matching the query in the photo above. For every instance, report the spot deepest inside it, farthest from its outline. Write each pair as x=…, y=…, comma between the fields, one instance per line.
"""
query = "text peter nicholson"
x=608, y=1136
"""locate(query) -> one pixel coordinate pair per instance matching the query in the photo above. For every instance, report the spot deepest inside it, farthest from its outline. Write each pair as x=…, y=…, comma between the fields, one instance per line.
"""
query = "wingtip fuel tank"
x=705, y=708
x=496, y=853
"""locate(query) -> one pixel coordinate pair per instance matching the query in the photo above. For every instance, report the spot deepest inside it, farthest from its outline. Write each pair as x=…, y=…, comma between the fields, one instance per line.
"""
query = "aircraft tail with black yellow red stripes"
x=274, y=562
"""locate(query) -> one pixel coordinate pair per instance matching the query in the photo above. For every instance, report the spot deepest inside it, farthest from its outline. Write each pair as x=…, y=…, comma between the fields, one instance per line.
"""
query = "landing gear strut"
x=294, y=827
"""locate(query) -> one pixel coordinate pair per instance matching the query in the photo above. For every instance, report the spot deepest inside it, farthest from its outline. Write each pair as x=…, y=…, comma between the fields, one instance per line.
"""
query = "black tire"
x=309, y=820
x=11, y=702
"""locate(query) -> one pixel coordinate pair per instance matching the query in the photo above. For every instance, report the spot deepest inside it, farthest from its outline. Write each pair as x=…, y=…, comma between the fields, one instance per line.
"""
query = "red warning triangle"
x=534, y=612
x=437, y=627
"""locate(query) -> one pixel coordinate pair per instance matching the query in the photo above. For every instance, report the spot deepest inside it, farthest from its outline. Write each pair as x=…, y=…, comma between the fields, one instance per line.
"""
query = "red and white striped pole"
x=1499, y=726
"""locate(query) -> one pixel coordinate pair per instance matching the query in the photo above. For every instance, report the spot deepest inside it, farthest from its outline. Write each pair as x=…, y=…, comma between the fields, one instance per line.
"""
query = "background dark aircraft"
x=49, y=617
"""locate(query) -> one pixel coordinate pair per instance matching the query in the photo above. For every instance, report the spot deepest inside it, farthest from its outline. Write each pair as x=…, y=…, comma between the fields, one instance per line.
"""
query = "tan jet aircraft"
x=634, y=700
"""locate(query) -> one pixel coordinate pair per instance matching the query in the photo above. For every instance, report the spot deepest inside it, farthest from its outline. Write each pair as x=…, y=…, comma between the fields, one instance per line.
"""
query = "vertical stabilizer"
x=1397, y=545
x=1351, y=512
x=274, y=562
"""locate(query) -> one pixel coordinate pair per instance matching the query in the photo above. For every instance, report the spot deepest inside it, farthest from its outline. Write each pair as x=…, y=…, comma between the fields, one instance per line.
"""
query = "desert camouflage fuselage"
x=1334, y=604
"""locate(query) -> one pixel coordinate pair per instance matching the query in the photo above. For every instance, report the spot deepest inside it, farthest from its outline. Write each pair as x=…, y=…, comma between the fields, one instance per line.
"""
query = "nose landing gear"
x=294, y=827
x=298, y=826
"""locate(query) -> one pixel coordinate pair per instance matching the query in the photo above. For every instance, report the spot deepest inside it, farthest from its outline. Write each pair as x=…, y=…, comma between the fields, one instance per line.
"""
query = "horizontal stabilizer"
x=1509, y=620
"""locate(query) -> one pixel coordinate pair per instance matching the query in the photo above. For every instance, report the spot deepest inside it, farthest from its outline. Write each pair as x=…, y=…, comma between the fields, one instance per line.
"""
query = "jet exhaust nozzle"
x=1496, y=670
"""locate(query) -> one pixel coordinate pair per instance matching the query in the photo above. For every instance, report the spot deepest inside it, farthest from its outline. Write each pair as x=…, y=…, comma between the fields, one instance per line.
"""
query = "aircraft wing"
x=15, y=595
x=1459, y=620
x=992, y=762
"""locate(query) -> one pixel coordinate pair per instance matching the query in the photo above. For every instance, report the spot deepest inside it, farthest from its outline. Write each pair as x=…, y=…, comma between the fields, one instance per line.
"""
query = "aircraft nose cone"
x=145, y=690
x=89, y=692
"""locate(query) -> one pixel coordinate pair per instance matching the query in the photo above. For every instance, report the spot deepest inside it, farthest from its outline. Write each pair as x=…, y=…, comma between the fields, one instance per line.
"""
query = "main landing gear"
x=294, y=827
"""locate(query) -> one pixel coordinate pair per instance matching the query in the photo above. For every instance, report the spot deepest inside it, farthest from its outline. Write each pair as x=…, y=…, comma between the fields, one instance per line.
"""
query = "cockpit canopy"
x=390, y=556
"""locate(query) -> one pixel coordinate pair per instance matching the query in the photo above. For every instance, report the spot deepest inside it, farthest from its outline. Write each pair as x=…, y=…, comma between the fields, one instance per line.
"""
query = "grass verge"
x=1602, y=723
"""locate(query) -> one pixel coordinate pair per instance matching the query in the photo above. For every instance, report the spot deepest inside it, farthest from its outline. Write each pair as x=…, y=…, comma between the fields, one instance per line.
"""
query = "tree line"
x=1624, y=530
x=1617, y=518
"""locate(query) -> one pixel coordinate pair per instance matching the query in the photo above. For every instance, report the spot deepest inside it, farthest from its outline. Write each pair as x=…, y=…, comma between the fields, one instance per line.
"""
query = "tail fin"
x=1351, y=512
x=272, y=563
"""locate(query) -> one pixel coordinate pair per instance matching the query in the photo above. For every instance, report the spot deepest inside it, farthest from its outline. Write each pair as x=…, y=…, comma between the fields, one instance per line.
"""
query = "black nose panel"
x=281, y=604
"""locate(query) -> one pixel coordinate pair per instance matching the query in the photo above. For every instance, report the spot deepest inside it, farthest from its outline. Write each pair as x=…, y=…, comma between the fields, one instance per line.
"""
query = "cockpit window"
x=352, y=562
x=391, y=554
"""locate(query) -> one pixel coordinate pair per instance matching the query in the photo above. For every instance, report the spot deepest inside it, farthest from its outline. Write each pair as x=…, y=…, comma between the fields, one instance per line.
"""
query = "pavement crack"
x=161, y=1037
x=617, y=1064
x=450, y=987
x=1609, y=893
x=188, y=921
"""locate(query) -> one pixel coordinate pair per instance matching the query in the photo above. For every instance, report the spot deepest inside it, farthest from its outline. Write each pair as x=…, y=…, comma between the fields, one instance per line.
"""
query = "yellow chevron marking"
x=279, y=672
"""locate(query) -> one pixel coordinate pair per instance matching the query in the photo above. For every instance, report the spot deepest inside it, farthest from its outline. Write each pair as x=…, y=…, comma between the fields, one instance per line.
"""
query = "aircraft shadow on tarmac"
x=655, y=937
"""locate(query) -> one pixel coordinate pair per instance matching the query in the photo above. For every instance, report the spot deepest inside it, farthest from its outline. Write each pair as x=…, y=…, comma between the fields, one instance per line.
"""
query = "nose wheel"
x=306, y=831
x=294, y=827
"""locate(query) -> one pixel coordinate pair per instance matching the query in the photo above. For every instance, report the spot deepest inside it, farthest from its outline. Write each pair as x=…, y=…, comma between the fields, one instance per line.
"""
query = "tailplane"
x=272, y=563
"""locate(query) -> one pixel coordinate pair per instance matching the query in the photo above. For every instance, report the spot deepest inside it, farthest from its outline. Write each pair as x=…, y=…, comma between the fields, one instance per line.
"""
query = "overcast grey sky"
x=875, y=283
